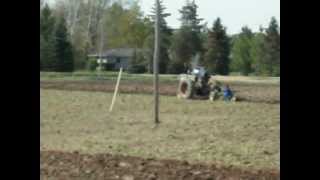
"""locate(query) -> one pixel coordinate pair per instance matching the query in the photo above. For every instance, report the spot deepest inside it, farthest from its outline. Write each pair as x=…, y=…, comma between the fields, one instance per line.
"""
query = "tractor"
x=198, y=84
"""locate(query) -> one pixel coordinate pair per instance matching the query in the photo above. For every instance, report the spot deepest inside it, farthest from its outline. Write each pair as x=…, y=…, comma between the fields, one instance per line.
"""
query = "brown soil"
x=74, y=166
x=245, y=92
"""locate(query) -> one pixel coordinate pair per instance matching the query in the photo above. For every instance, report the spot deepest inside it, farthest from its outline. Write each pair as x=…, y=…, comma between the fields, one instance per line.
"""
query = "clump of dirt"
x=71, y=166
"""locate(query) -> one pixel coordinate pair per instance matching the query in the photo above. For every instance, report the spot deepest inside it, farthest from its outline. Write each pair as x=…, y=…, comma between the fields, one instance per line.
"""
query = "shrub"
x=92, y=64
x=137, y=69
x=109, y=67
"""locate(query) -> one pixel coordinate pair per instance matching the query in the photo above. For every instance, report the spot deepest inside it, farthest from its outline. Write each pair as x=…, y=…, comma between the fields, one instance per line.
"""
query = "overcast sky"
x=233, y=13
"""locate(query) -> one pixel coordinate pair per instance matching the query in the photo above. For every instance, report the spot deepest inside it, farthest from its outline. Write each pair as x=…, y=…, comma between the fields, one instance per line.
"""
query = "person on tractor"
x=215, y=90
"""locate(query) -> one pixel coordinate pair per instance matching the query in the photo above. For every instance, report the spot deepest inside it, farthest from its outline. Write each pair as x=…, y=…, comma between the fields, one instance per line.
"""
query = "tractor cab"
x=199, y=72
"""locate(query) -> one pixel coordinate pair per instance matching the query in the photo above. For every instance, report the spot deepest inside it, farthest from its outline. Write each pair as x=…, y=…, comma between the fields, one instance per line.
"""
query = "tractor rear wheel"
x=185, y=90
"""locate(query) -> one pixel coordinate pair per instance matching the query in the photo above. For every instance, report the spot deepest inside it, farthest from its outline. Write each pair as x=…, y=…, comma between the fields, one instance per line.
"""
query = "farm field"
x=195, y=96
x=74, y=166
x=249, y=89
x=110, y=75
x=244, y=135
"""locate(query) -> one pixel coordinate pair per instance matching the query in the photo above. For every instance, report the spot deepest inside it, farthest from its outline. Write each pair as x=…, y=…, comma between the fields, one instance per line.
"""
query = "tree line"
x=72, y=29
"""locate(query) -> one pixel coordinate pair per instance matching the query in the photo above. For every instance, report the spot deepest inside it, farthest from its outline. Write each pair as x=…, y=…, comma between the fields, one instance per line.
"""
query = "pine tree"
x=138, y=63
x=41, y=55
x=181, y=46
x=189, y=16
x=48, y=60
x=47, y=22
x=257, y=53
x=272, y=45
x=166, y=34
x=241, y=59
x=187, y=41
x=218, y=50
x=191, y=21
x=63, y=48
x=266, y=50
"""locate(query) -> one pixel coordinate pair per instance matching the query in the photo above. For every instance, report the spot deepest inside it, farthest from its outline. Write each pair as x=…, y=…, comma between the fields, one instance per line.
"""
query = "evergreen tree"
x=272, y=47
x=41, y=55
x=218, y=50
x=48, y=58
x=47, y=22
x=181, y=56
x=241, y=59
x=48, y=61
x=187, y=41
x=257, y=53
x=63, y=48
x=266, y=50
x=189, y=16
x=138, y=63
x=166, y=34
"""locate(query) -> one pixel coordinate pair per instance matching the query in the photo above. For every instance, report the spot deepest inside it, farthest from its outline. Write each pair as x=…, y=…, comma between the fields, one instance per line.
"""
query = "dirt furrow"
x=72, y=166
x=245, y=92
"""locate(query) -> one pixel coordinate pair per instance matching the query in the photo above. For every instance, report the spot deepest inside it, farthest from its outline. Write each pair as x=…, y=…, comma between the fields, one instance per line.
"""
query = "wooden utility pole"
x=155, y=64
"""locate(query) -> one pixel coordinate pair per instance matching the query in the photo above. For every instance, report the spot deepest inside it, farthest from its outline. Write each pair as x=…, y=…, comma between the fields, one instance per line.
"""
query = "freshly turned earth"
x=56, y=165
x=245, y=92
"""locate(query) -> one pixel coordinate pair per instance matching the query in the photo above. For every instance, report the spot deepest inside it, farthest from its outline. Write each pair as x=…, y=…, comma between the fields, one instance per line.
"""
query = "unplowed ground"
x=74, y=166
x=243, y=133
x=250, y=92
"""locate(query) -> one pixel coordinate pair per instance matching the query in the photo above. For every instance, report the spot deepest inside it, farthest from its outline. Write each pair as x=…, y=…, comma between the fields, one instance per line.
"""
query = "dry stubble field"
x=80, y=139
x=245, y=135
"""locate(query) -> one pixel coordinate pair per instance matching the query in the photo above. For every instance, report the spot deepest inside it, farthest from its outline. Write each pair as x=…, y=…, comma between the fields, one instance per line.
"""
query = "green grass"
x=240, y=134
x=108, y=75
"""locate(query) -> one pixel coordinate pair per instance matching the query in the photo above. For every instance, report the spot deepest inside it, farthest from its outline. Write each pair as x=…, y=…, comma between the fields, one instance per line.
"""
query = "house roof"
x=121, y=52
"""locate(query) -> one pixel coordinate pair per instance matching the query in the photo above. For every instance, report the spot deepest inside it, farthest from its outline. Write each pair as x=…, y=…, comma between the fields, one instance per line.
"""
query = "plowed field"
x=264, y=93
x=75, y=166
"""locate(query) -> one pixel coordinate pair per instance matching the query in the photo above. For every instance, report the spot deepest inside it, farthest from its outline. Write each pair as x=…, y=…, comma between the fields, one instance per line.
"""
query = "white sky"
x=233, y=13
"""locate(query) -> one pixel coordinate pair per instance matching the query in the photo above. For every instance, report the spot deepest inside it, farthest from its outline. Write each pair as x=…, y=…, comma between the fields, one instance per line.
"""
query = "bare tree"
x=99, y=10
x=91, y=6
x=72, y=18
x=84, y=17
x=42, y=3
